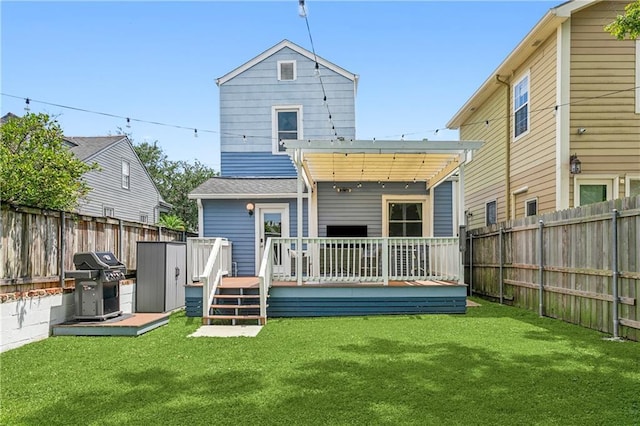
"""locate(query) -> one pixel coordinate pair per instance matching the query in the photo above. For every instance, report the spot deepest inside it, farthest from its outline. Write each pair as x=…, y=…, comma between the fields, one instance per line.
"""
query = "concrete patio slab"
x=227, y=331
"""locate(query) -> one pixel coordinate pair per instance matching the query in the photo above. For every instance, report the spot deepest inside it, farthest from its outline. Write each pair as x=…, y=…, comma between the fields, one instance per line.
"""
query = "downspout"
x=507, y=150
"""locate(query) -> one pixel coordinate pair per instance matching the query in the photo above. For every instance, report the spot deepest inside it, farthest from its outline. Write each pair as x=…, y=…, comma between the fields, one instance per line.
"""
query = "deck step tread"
x=236, y=296
x=230, y=306
x=240, y=317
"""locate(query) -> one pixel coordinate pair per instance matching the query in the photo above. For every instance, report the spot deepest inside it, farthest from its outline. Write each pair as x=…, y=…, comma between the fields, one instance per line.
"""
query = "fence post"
x=541, y=268
x=62, y=249
x=614, y=267
x=470, y=264
x=500, y=234
x=120, y=238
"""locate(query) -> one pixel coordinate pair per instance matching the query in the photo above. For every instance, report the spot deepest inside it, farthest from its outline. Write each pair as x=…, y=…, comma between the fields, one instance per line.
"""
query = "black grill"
x=97, y=276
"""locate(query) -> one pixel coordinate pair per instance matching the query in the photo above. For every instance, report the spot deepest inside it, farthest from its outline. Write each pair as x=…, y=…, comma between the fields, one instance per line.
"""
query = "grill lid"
x=96, y=260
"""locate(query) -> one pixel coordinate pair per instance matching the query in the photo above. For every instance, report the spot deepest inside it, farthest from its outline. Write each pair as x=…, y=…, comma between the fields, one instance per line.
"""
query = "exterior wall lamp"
x=250, y=208
x=575, y=165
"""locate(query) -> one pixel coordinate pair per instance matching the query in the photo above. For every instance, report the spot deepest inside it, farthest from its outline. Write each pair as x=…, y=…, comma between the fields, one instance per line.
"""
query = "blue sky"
x=418, y=61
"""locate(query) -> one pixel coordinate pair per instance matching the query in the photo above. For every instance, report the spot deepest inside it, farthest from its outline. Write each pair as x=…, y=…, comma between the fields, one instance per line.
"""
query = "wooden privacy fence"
x=580, y=265
x=33, y=251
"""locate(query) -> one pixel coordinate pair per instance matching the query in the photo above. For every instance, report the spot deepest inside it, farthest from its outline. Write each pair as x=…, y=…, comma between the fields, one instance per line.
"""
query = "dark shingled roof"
x=85, y=147
x=246, y=186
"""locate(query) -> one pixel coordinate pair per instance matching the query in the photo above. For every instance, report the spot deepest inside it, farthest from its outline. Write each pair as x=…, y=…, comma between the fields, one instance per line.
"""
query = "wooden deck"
x=252, y=282
x=123, y=325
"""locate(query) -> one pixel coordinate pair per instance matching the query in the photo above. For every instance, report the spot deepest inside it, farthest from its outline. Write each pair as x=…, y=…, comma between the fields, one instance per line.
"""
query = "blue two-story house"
x=287, y=96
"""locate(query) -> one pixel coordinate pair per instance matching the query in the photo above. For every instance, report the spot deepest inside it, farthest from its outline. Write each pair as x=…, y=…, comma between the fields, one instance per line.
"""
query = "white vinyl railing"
x=366, y=259
x=198, y=251
x=265, y=277
x=212, y=275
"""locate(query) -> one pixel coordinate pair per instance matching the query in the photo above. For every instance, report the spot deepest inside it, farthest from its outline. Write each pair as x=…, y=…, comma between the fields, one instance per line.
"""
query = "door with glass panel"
x=273, y=221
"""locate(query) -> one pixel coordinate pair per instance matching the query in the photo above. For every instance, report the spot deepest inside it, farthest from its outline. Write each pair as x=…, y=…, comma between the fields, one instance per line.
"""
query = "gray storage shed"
x=161, y=275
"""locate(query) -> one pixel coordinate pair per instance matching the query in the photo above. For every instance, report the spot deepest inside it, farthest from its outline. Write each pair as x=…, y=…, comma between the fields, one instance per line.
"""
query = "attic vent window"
x=286, y=70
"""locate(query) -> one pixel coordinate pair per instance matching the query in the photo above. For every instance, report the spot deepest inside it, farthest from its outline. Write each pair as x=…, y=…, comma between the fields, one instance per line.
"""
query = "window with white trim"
x=405, y=219
x=491, y=213
x=531, y=207
x=108, y=211
x=144, y=217
x=521, y=106
x=592, y=190
x=287, y=70
x=287, y=125
x=126, y=170
x=632, y=186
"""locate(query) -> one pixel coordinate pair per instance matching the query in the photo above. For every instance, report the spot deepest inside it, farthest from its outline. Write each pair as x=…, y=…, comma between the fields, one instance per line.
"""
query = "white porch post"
x=300, y=216
x=461, y=219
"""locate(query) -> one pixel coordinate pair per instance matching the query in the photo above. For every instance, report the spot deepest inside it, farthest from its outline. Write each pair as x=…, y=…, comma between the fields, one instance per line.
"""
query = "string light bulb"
x=195, y=133
x=302, y=9
x=244, y=138
x=316, y=70
x=486, y=123
x=26, y=105
x=128, y=123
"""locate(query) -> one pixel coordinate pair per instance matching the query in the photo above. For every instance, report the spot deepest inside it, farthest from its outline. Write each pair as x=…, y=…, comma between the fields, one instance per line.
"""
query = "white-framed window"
x=531, y=207
x=632, y=186
x=404, y=216
x=491, y=213
x=126, y=174
x=593, y=189
x=287, y=124
x=144, y=217
x=287, y=70
x=108, y=211
x=521, y=108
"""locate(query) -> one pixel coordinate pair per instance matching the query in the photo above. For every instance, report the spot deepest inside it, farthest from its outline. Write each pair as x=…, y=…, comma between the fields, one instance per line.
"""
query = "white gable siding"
x=128, y=204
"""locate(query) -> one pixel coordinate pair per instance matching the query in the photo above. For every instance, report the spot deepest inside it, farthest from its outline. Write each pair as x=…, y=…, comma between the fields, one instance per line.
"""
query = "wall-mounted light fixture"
x=575, y=165
x=250, y=208
x=581, y=130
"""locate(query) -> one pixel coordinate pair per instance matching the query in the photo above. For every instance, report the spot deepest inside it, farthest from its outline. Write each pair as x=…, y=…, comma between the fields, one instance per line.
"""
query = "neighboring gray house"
x=276, y=99
x=122, y=188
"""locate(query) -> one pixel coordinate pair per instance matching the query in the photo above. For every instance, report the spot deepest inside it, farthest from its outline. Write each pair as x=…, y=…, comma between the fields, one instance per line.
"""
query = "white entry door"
x=272, y=221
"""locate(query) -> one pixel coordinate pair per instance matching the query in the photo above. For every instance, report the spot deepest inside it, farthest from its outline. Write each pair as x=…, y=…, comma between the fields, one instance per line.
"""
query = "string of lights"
x=302, y=11
x=245, y=137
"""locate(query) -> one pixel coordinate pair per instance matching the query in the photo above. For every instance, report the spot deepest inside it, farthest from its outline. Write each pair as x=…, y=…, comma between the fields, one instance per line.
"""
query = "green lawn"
x=494, y=365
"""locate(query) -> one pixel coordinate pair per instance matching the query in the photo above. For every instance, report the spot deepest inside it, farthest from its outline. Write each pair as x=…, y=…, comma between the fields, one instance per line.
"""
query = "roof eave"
x=541, y=31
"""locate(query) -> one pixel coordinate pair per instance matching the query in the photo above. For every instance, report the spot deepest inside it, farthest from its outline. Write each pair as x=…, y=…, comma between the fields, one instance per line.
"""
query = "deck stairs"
x=236, y=303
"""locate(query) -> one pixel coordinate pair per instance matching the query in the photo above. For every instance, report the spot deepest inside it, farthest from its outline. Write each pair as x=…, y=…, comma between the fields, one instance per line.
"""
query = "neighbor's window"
x=144, y=218
x=491, y=213
x=108, y=211
x=521, y=106
x=125, y=174
x=405, y=219
x=633, y=187
x=287, y=126
x=589, y=191
x=286, y=70
x=531, y=207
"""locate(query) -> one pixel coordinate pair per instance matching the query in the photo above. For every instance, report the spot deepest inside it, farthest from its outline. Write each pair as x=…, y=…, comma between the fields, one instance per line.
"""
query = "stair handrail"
x=265, y=277
x=212, y=275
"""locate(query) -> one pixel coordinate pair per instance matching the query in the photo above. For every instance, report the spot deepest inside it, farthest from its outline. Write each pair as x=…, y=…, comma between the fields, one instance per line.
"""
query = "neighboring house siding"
x=256, y=164
x=485, y=176
x=443, y=210
x=361, y=206
x=533, y=155
x=601, y=64
x=141, y=197
x=229, y=219
x=246, y=103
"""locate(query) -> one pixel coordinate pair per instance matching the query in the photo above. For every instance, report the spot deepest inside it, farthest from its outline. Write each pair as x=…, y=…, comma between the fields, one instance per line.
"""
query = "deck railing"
x=265, y=277
x=212, y=275
x=366, y=259
x=198, y=251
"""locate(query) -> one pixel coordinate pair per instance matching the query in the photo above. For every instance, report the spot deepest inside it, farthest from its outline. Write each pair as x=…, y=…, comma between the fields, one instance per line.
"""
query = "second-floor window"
x=287, y=125
x=521, y=106
x=125, y=174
